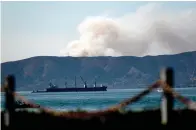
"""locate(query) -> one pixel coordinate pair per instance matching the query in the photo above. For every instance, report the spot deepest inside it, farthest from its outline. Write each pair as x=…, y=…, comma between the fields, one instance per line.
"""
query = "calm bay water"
x=99, y=100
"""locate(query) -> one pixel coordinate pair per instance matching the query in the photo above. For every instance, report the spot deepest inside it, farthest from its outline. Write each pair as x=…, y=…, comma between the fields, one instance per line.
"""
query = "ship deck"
x=73, y=89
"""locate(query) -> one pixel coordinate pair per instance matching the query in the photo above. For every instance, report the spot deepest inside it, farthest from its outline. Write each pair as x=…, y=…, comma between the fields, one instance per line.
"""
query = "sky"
x=31, y=29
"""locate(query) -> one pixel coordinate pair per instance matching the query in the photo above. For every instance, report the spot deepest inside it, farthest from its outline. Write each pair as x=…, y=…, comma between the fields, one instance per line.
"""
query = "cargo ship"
x=85, y=88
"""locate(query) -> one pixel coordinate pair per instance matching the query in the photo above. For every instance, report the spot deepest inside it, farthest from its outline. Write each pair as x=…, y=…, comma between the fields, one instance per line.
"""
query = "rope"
x=115, y=108
x=135, y=98
x=107, y=111
x=189, y=103
x=32, y=105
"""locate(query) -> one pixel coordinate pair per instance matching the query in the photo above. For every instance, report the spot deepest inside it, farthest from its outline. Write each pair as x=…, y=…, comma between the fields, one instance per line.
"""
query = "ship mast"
x=95, y=84
x=65, y=83
x=75, y=81
x=85, y=86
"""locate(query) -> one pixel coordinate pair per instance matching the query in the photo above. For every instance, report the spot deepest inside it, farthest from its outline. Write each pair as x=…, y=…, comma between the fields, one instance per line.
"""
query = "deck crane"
x=85, y=86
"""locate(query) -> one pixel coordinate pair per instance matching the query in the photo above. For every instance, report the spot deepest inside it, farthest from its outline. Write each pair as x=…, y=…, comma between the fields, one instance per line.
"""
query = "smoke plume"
x=151, y=30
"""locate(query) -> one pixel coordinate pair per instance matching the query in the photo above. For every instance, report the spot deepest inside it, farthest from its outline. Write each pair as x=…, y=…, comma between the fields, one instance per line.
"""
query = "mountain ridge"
x=116, y=72
x=99, y=56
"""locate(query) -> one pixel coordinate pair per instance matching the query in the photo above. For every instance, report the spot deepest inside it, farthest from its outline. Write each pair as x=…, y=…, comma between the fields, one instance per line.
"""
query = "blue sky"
x=43, y=28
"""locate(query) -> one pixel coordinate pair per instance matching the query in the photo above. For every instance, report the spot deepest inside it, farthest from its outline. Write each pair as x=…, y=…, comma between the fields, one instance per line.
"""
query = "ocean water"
x=99, y=100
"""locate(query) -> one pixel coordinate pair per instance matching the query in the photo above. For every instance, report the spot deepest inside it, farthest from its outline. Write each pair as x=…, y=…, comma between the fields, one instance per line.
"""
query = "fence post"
x=167, y=75
x=9, y=100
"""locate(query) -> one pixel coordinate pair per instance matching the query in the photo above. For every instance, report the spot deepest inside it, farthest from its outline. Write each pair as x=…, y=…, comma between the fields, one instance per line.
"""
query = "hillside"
x=116, y=72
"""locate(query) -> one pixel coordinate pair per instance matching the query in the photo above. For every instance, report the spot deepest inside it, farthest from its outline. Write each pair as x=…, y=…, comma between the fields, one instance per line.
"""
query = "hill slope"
x=117, y=72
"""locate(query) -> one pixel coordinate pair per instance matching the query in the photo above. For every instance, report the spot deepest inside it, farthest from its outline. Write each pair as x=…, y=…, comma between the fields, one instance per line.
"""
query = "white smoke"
x=151, y=30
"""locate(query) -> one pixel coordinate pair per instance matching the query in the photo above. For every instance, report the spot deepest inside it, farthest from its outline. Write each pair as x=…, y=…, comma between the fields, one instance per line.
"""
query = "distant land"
x=116, y=72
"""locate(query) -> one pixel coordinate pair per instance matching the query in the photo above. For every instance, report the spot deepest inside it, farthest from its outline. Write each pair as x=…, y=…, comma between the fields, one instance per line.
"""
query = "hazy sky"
x=65, y=28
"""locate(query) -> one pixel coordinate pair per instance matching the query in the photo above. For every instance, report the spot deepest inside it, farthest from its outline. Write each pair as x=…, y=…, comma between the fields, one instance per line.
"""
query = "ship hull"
x=72, y=89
